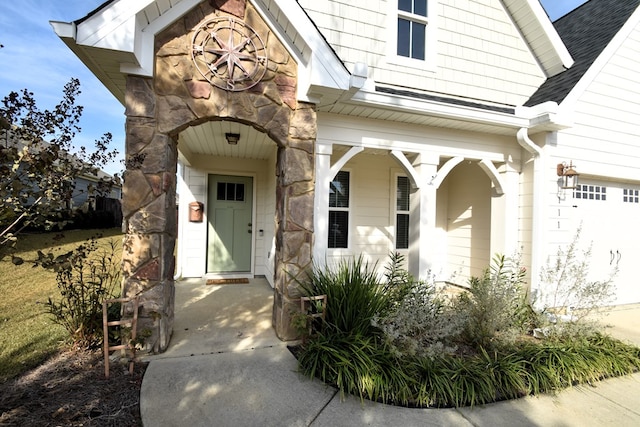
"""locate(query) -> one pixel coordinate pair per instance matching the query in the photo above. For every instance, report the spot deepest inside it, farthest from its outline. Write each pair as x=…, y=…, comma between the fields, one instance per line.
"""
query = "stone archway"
x=178, y=97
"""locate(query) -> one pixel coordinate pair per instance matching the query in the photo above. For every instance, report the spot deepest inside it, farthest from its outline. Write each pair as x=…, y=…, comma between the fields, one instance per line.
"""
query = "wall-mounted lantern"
x=568, y=175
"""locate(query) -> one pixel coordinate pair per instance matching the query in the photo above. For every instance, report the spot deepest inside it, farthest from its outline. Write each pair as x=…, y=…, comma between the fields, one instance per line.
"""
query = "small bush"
x=85, y=277
x=354, y=295
x=565, y=287
x=493, y=304
x=422, y=323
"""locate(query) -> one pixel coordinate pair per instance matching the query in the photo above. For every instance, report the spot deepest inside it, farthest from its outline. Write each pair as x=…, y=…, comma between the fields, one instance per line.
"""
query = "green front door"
x=230, y=224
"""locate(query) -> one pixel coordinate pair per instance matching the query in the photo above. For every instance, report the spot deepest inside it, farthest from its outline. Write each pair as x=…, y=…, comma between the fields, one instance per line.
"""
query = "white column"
x=321, y=200
x=504, y=213
x=422, y=219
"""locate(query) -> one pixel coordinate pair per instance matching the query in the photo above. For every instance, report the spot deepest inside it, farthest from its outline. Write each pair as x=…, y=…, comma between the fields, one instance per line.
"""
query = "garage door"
x=610, y=216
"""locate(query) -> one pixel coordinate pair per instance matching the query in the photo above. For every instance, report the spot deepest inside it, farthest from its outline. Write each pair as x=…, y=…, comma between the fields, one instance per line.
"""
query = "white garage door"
x=610, y=216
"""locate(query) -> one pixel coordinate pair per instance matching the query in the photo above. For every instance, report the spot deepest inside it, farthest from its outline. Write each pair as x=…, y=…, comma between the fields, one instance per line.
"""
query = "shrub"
x=357, y=365
x=354, y=295
x=422, y=323
x=493, y=304
x=565, y=287
x=85, y=277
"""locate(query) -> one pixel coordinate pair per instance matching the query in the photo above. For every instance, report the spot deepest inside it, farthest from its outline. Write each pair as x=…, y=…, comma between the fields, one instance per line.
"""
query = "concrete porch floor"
x=221, y=318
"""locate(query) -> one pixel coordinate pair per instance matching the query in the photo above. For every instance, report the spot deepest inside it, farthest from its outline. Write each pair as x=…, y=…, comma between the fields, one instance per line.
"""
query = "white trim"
x=569, y=102
x=395, y=212
x=493, y=174
x=408, y=168
x=254, y=191
x=438, y=109
x=540, y=35
x=348, y=210
x=431, y=45
x=445, y=170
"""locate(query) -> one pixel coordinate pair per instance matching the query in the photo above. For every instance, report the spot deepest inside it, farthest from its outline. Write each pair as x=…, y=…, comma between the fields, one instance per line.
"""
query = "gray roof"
x=586, y=31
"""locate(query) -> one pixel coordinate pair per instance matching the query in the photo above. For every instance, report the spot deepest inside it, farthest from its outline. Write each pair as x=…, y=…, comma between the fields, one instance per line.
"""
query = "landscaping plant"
x=565, y=288
x=422, y=323
x=85, y=276
x=381, y=340
x=493, y=303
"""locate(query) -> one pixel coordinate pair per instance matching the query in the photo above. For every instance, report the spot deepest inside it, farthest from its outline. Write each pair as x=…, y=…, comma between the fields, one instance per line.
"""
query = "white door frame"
x=251, y=273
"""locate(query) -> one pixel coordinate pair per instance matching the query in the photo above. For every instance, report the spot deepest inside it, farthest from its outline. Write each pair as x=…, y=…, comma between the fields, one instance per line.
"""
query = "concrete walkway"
x=225, y=367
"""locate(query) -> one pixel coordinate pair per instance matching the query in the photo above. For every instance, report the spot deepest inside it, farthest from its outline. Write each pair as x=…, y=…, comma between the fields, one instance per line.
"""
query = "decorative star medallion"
x=229, y=54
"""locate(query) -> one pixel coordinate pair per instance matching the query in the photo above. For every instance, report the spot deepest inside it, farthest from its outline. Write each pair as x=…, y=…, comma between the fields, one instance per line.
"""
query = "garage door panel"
x=609, y=214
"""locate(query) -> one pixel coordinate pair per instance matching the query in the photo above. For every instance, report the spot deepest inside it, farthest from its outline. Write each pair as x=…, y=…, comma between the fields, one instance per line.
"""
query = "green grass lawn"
x=27, y=334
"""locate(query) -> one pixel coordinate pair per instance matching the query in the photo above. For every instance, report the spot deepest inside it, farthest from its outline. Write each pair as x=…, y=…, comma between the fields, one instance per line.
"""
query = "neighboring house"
x=310, y=131
x=84, y=194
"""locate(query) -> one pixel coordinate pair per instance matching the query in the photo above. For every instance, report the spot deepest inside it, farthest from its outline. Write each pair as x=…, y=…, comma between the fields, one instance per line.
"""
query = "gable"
x=588, y=32
x=491, y=50
x=118, y=40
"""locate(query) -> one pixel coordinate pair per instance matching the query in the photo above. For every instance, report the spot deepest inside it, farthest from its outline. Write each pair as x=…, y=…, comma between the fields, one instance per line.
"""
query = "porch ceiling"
x=208, y=139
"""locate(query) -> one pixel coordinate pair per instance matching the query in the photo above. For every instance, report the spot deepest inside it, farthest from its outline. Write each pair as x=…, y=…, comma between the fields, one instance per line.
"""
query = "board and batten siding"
x=605, y=140
x=480, y=54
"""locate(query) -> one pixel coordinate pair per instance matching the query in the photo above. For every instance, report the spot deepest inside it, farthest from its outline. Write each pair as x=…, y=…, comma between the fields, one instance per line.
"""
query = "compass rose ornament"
x=229, y=54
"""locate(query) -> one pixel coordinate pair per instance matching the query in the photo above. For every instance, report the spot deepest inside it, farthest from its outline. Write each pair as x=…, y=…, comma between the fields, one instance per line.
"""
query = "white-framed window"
x=339, y=210
x=590, y=192
x=630, y=195
x=412, y=33
x=403, y=193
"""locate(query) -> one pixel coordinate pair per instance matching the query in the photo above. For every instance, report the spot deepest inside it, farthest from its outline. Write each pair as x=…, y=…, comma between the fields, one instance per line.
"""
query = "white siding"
x=604, y=141
x=468, y=221
x=604, y=147
x=480, y=53
x=194, y=234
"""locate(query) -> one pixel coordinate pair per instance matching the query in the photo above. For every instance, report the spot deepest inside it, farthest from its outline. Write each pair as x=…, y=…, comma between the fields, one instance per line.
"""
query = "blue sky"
x=33, y=57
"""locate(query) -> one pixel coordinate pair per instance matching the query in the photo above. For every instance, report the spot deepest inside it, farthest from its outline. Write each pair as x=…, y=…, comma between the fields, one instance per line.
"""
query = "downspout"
x=537, y=230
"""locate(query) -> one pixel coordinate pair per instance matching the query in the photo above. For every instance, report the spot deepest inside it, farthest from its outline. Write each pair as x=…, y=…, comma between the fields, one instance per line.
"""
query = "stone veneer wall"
x=178, y=97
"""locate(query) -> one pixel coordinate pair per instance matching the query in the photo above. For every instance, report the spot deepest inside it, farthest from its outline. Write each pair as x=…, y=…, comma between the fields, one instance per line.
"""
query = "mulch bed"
x=70, y=390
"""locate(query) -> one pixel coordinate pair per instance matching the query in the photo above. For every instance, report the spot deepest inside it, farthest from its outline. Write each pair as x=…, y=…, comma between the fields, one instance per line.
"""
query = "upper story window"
x=339, y=211
x=412, y=28
x=412, y=39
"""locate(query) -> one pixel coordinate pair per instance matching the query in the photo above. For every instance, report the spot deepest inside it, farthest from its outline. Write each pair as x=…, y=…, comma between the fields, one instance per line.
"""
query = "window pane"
x=222, y=191
x=420, y=7
x=339, y=191
x=404, y=37
x=338, y=229
x=418, y=40
x=402, y=194
x=239, y=193
x=404, y=5
x=402, y=231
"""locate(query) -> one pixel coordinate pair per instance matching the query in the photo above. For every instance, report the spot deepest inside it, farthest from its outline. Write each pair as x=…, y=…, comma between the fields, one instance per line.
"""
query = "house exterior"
x=305, y=132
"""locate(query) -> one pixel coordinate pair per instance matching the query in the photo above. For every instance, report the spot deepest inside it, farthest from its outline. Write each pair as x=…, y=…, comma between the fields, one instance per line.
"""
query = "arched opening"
x=180, y=104
x=464, y=220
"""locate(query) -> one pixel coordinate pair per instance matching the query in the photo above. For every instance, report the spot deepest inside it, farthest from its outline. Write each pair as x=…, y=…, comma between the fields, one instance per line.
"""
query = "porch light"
x=569, y=176
x=232, y=138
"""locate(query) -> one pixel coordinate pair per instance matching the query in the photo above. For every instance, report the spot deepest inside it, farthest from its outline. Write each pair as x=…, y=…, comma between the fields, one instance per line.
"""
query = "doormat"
x=226, y=281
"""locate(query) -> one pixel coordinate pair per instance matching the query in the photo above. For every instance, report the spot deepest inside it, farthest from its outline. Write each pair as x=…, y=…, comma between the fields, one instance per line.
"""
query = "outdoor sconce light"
x=568, y=175
x=232, y=138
